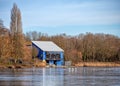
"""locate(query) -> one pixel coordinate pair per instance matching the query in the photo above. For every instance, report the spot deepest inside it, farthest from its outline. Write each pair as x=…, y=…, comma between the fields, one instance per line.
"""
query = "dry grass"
x=98, y=64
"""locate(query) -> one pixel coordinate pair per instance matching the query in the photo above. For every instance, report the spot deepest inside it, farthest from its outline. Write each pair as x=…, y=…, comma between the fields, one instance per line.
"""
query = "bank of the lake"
x=43, y=64
x=98, y=64
x=27, y=65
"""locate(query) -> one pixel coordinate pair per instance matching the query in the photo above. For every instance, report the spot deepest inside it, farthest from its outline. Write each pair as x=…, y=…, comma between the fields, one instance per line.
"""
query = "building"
x=49, y=52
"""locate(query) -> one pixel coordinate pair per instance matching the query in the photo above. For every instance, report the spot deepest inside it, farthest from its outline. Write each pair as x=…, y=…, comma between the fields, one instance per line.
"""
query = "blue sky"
x=66, y=16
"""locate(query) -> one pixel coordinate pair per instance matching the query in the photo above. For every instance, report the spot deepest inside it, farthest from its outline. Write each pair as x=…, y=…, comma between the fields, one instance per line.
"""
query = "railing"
x=52, y=58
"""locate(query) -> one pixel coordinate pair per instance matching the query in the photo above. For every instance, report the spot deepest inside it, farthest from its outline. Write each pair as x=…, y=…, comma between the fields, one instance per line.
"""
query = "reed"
x=98, y=64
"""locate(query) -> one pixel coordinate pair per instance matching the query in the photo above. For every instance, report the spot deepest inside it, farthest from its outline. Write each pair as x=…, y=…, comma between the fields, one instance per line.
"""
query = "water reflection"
x=82, y=76
x=53, y=77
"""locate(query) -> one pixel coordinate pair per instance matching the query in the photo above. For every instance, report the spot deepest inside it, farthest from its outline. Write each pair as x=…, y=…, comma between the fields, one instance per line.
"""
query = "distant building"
x=50, y=52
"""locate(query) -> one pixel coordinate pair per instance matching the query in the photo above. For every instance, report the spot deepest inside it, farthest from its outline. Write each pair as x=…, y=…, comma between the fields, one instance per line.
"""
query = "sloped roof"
x=47, y=46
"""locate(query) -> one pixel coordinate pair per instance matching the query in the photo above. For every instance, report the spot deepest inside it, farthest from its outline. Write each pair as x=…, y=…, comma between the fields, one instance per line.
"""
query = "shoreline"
x=80, y=64
x=98, y=64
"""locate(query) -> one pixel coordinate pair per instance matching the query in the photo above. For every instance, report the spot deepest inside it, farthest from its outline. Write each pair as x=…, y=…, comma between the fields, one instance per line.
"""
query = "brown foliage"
x=17, y=39
x=4, y=46
x=87, y=47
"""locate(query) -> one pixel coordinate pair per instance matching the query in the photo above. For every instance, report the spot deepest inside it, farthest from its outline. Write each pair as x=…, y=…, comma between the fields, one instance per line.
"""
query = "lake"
x=81, y=76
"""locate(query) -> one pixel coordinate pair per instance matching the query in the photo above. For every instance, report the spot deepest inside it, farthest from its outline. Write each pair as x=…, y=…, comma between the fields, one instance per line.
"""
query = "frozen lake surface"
x=81, y=76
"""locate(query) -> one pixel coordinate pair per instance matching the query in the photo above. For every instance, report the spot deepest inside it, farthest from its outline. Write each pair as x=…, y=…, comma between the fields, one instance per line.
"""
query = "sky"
x=65, y=16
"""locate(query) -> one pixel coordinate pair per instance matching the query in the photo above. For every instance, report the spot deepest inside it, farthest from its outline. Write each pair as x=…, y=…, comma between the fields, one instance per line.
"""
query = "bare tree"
x=16, y=33
x=1, y=23
x=4, y=42
x=16, y=24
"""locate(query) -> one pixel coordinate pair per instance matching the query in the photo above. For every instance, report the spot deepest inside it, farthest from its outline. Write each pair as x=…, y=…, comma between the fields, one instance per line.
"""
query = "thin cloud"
x=63, y=14
x=85, y=13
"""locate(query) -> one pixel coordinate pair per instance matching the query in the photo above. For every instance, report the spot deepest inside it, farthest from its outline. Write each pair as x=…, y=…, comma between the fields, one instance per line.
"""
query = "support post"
x=61, y=62
x=61, y=55
x=44, y=56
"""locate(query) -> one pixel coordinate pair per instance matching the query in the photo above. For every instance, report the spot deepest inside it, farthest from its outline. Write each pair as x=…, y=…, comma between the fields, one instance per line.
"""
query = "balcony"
x=53, y=57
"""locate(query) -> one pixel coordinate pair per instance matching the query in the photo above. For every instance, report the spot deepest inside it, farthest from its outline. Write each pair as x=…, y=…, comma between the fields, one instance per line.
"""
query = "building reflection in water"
x=53, y=77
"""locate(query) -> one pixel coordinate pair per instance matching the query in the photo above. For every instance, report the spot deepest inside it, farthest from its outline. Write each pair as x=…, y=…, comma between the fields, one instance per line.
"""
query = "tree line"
x=84, y=47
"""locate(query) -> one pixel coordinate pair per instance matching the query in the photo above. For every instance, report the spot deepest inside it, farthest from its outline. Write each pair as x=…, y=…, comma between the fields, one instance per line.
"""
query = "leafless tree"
x=16, y=33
